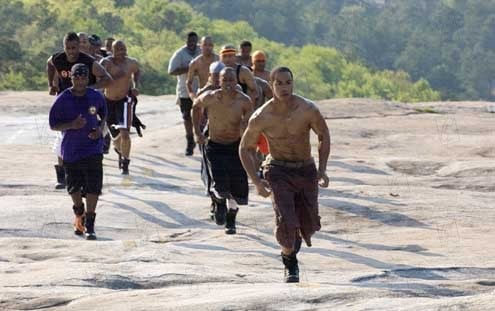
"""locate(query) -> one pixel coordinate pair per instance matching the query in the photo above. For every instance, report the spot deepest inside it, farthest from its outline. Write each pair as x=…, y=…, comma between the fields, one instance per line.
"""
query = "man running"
x=291, y=174
x=212, y=84
x=244, y=58
x=84, y=44
x=179, y=66
x=79, y=113
x=58, y=70
x=244, y=76
x=118, y=95
x=108, y=46
x=228, y=111
x=199, y=67
x=259, y=62
x=95, y=47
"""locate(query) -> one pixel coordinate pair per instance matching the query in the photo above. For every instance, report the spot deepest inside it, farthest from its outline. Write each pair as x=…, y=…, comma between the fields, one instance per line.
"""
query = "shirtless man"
x=228, y=111
x=84, y=44
x=108, y=46
x=125, y=72
x=212, y=84
x=199, y=67
x=58, y=69
x=244, y=76
x=244, y=58
x=259, y=61
x=291, y=174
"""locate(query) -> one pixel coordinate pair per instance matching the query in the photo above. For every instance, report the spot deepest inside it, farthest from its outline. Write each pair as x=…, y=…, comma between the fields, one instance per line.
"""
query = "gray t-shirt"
x=181, y=58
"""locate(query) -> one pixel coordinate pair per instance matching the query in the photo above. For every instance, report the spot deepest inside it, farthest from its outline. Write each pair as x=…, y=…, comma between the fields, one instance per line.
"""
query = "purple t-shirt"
x=76, y=144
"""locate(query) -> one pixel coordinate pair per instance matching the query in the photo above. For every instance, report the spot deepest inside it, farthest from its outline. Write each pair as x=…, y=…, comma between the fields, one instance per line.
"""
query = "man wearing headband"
x=119, y=97
x=199, y=67
x=79, y=113
x=228, y=111
x=291, y=174
x=244, y=76
x=58, y=70
x=259, y=62
x=179, y=66
x=244, y=58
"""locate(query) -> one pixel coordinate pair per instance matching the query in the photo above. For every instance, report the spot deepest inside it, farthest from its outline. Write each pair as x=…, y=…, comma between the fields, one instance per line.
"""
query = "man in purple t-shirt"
x=79, y=113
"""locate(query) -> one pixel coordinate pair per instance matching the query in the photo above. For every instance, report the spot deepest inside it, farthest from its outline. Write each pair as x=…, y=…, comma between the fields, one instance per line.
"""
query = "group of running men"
x=245, y=119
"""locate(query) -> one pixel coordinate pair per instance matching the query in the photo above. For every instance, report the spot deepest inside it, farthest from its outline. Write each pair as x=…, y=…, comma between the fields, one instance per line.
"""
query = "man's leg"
x=74, y=185
x=93, y=185
x=185, y=109
x=125, y=148
x=59, y=170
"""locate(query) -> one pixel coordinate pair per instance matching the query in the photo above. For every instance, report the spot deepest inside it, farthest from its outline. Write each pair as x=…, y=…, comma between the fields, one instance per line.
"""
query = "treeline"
x=450, y=43
x=32, y=30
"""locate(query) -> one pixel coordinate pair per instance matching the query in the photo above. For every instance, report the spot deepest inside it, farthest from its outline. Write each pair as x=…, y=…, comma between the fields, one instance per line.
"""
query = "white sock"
x=232, y=204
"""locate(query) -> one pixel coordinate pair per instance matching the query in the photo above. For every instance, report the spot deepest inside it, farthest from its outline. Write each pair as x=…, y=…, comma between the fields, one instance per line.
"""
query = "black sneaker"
x=60, y=177
x=90, y=226
x=291, y=271
x=190, y=146
x=220, y=213
x=125, y=166
x=212, y=211
x=230, y=221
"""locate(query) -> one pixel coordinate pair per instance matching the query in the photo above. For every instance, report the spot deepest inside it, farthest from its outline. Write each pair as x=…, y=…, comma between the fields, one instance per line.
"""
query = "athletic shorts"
x=228, y=177
x=185, y=108
x=85, y=175
x=119, y=114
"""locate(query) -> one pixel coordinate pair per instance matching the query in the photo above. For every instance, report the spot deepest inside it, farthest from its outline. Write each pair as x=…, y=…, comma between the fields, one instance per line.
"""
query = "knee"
x=124, y=135
x=186, y=116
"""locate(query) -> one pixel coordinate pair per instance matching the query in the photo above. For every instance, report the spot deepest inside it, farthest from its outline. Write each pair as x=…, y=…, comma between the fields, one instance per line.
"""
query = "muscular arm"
x=248, y=111
x=319, y=126
x=247, y=78
x=50, y=71
x=136, y=75
x=247, y=148
x=103, y=78
x=267, y=91
x=190, y=78
x=198, y=106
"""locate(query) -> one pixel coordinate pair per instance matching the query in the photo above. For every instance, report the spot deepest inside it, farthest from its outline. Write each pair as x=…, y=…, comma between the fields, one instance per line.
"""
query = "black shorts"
x=119, y=114
x=185, y=108
x=228, y=177
x=85, y=175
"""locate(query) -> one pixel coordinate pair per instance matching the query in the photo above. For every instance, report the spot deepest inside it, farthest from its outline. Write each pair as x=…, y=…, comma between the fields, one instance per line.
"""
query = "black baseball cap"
x=79, y=70
x=94, y=40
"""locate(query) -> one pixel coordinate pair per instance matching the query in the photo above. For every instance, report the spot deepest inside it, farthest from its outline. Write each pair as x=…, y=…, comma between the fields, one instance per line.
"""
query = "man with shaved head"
x=199, y=67
x=228, y=111
x=290, y=172
x=119, y=97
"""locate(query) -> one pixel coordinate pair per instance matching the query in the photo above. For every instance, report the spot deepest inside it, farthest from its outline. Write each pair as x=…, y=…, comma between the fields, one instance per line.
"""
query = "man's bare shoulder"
x=106, y=60
x=243, y=97
x=304, y=103
x=196, y=61
x=264, y=112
